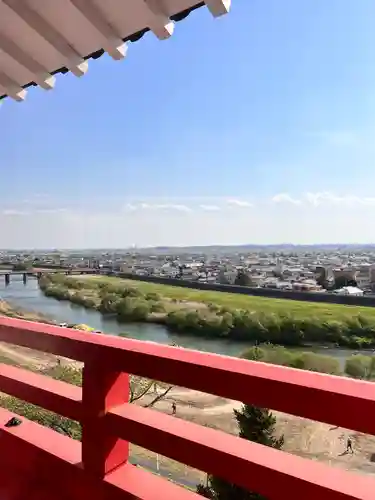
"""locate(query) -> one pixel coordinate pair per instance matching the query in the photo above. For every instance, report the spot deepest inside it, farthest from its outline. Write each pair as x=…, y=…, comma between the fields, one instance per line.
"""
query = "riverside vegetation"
x=230, y=317
x=357, y=366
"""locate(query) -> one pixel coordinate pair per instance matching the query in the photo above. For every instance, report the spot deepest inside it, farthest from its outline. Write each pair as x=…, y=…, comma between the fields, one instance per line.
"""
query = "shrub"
x=358, y=366
x=255, y=353
x=131, y=308
x=80, y=299
x=317, y=363
x=213, y=307
x=109, y=303
x=140, y=311
x=153, y=297
x=278, y=355
x=157, y=307
x=130, y=291
x=58, y=292
x=66, y=374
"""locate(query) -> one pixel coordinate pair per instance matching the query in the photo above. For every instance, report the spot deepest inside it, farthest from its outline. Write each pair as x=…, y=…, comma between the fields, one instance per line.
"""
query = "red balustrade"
x=37, y=463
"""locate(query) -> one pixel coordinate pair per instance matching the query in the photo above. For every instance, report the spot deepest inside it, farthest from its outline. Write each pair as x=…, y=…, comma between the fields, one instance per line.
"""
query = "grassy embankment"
x=218, y=314
x=15, y=312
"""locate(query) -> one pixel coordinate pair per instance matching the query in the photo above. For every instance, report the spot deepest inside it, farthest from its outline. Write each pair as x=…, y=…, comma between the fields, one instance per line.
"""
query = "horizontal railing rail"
x=54, y=395
x=303, y=393
x=56, y=459
x=109, y=422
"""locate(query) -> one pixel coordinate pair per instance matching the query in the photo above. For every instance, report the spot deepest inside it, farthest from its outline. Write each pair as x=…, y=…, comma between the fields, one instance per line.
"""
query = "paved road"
x=164, y=472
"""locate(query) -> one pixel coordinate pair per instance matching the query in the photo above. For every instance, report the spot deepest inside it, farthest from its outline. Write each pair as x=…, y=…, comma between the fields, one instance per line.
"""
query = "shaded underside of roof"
x=42, y=38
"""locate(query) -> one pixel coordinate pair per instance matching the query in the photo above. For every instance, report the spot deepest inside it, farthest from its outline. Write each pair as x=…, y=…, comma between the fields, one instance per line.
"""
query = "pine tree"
x=257, y=425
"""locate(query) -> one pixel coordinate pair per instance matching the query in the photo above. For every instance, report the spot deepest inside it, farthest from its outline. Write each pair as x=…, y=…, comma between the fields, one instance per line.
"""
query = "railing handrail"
x=109, y=422
x=231, y=457
x=312, y=395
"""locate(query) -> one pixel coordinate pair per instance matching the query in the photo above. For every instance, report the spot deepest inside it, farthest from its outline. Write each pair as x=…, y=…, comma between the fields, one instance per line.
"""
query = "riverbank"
x=297, y=309
x=22, y=356
x=230, y=317
x=357, y=365
x=7, y=309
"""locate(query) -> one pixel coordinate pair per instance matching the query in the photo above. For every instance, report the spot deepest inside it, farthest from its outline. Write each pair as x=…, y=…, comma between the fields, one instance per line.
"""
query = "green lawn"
x=259, y=304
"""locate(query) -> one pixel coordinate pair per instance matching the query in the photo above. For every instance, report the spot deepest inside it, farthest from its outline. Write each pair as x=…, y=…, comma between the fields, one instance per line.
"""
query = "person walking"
x=349, y=446
x=174, y=408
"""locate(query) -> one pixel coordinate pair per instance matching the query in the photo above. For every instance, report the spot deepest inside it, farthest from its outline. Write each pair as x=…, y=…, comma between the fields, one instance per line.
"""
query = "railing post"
x=102, y=390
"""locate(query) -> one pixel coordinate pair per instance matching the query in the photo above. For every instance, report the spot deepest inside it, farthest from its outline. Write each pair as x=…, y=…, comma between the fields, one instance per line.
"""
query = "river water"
x=29, y=297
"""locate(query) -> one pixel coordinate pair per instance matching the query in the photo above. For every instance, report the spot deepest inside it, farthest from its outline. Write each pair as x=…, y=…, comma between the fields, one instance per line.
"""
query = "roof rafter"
x=39, y=39
x=73, y=61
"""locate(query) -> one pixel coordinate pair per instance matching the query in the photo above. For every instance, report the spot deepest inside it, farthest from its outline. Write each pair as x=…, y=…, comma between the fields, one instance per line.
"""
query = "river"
x=29, y=297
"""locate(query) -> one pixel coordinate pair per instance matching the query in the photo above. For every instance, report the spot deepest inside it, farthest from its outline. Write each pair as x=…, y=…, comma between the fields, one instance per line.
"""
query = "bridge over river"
x=38, y=272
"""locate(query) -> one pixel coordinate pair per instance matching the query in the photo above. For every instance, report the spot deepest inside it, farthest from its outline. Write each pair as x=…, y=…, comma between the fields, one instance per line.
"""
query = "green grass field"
x=237, y=301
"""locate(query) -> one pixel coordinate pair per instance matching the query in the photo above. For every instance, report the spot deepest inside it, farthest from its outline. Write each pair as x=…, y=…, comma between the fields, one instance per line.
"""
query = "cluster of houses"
x=342, y=273
x=295, y=276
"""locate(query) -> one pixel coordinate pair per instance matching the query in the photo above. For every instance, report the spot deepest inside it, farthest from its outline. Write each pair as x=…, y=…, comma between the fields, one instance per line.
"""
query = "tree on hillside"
x=139, y=387
x=257, y=425
x=243, y=279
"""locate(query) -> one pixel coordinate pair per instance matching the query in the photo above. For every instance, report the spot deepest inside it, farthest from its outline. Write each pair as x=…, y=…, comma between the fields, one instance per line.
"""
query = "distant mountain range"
x=203, y=249
x=219, y=249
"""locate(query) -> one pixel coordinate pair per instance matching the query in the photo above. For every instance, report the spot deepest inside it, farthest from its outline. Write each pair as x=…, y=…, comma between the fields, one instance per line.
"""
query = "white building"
x=349, y=290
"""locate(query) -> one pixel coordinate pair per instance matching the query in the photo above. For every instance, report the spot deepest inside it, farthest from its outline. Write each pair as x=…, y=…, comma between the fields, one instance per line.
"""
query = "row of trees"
x=127, y=303
x=356, y=365
x=130, y=304
x=356, y=332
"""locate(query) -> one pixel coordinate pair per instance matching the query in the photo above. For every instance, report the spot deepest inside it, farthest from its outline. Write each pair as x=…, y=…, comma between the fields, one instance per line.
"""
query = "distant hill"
x=230, y=249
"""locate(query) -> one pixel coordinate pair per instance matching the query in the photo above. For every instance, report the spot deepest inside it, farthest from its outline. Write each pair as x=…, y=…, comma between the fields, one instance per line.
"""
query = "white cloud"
x=99, y=227
x=51, y=210
x=328, y=198
x=239, y=203
x=285, y=198
x=12, y=212
x=17, y=212
x=368, y=201
x=325, y=198
x=132, y=207
x=209, y=208
x=173, y=207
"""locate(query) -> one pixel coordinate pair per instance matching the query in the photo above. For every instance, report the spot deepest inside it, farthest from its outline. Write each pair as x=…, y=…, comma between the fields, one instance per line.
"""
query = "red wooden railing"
x=37, y=463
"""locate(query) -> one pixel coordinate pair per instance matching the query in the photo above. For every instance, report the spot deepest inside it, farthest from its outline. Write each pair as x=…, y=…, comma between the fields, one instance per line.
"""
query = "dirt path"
x=303, y=437
x=25, y=356
x=30, y=357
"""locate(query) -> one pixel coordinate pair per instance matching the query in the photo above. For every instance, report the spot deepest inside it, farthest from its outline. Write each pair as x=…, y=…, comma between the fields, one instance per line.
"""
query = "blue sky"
x=257, y=127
